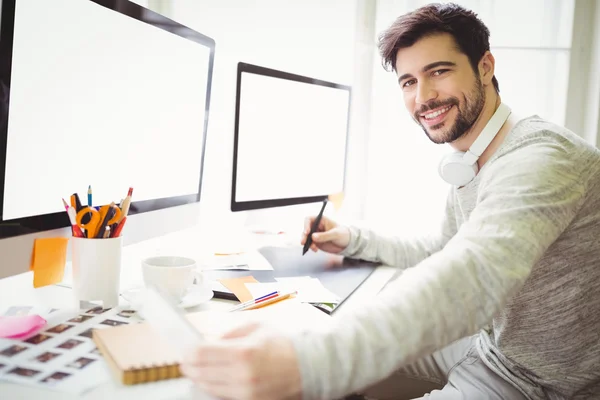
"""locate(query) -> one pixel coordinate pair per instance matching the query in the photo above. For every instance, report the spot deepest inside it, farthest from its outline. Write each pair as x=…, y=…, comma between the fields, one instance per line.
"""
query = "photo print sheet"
x=62, y=356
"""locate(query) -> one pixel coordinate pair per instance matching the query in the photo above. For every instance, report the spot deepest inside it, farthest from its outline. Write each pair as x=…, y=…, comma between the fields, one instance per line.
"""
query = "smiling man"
x=501, y=303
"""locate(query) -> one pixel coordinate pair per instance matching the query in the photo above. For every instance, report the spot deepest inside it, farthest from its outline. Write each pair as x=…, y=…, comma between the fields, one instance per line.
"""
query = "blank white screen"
x=291, y=139
x=101, y=99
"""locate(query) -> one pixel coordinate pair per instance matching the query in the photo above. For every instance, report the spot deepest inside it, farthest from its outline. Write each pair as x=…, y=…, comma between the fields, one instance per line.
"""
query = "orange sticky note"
x=48, y=261
x=337, y=199
x=238, y=287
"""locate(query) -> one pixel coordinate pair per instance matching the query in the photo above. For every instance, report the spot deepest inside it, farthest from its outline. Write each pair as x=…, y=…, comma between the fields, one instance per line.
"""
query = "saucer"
x=195, y=295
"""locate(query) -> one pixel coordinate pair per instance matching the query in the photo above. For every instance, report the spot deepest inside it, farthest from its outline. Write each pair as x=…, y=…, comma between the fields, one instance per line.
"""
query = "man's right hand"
x=329, y=236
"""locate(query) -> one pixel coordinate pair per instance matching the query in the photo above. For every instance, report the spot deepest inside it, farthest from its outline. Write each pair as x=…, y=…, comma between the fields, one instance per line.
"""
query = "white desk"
x=18, y=290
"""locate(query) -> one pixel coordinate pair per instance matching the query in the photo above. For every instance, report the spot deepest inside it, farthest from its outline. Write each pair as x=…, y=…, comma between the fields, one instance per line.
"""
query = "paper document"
x=292, y=279
x=236, y=286
x=169, y=321
x=250, y=261
x=310, y=290
x=260, y=289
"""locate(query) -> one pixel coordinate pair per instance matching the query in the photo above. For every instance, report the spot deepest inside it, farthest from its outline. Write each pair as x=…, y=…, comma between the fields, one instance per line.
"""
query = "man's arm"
x=366, y=244
x=524, y=204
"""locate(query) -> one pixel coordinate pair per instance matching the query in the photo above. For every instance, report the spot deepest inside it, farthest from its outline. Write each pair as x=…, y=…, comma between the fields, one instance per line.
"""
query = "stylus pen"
x=313, y=228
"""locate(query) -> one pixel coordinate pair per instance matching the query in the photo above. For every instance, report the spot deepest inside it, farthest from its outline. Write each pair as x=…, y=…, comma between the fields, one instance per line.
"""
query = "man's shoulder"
x=537, y=137
x=535, y=129
x=539, y=149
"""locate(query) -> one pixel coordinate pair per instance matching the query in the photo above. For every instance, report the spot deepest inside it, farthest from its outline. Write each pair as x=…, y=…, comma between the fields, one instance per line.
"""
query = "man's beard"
x=465, y=119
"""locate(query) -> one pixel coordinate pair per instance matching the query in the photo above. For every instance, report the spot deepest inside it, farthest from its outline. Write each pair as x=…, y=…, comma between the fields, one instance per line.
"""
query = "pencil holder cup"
x=97, y=269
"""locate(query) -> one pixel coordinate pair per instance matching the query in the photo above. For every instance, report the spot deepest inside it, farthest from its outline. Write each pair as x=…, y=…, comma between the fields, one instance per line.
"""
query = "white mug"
x=171, y=275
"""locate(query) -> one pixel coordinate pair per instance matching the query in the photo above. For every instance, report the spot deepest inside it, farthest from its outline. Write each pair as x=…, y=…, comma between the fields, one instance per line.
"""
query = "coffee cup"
x=171, y=275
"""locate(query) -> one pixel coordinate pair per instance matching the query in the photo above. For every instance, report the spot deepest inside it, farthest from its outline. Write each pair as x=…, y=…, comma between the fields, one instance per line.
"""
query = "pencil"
x=126, y=203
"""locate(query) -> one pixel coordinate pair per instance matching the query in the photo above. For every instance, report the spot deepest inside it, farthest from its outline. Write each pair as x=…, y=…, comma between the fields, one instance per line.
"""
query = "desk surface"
x=18, y=290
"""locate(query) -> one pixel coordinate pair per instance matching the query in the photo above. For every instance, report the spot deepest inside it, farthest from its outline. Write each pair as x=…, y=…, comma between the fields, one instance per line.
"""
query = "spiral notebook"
x=137, y=354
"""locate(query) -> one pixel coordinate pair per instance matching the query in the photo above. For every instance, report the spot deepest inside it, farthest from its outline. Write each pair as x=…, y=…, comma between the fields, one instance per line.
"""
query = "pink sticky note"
x=18, y=327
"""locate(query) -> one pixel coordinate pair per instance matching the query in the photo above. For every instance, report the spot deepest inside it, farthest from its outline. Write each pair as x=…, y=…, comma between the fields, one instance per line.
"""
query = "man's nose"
x=425, y=93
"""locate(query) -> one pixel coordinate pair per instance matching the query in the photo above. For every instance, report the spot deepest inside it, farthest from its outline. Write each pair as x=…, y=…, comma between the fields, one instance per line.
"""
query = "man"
x=502, y=303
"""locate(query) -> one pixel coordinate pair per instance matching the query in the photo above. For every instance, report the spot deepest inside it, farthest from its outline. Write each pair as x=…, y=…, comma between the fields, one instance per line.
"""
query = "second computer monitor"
x=290, y=139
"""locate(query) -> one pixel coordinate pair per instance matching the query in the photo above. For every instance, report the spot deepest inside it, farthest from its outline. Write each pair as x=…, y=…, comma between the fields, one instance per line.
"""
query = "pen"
x=269, y=301
x=313, y=228
x=254, y=301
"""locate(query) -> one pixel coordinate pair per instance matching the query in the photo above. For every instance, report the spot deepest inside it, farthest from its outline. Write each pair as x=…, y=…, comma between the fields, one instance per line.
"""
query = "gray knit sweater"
x=518, y=251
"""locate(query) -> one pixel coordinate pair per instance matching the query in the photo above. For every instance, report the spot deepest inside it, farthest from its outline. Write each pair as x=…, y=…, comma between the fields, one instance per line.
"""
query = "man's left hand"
x=251, y=362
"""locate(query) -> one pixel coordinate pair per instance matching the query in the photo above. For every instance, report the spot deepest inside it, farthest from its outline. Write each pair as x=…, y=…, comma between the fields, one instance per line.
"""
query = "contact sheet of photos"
x=62, y=356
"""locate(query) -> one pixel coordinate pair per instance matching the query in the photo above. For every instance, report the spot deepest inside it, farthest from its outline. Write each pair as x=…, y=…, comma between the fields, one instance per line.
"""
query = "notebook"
x=137, y=354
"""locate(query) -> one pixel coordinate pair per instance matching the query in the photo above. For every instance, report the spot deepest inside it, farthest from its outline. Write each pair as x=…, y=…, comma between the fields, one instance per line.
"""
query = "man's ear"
x=486, y=68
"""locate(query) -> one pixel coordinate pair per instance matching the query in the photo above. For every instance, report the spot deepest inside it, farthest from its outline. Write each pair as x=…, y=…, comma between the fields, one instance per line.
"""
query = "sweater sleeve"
x=366, y=244
x=523, y=205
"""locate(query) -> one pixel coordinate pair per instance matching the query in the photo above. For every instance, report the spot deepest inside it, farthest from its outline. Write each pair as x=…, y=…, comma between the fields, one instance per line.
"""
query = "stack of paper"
x=310, y=290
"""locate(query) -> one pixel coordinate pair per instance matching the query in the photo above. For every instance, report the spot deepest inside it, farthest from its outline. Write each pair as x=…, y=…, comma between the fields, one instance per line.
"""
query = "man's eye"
x=439, y=72
x=408, y=83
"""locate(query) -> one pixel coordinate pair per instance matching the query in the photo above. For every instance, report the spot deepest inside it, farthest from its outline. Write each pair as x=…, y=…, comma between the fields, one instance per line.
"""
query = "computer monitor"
x=290, y=138
x=103, y=93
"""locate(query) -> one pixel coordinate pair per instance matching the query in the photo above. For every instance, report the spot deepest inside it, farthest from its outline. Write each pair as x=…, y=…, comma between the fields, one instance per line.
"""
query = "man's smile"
x=434, y=117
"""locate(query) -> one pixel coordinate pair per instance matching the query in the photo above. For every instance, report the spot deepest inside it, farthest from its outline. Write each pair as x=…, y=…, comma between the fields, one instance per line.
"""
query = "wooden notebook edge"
x=138, y=375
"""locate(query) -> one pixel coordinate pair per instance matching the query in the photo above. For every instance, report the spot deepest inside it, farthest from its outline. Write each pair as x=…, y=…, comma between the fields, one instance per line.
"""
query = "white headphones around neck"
x=460, y=168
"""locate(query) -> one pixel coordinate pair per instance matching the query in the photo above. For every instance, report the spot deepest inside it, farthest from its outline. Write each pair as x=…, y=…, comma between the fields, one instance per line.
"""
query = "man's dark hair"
x=469, y=32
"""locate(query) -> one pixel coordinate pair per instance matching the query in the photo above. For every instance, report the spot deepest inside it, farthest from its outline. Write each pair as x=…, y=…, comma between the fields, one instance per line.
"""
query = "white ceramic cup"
x=171, y=275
